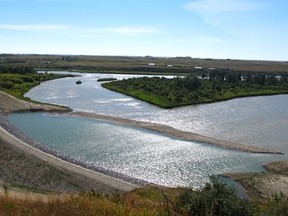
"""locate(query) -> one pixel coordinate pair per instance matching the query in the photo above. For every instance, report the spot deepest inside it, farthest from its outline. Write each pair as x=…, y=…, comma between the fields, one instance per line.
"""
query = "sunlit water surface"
x=151, y=156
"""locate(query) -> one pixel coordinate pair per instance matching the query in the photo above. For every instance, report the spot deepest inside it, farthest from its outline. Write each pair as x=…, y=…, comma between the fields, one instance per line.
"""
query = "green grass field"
x=130, y=64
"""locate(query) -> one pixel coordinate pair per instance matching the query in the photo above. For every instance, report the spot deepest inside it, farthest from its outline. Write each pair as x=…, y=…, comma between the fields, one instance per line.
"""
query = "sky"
x=220, y=29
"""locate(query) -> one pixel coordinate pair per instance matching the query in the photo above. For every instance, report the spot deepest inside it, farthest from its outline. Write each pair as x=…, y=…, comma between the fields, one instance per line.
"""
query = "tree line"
x=17, y=69
x=248, y=77
x=192, y=89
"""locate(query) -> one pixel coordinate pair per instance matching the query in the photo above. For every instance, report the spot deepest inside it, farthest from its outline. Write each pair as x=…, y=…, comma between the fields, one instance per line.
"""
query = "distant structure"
x=152, y=64
x=170, y=65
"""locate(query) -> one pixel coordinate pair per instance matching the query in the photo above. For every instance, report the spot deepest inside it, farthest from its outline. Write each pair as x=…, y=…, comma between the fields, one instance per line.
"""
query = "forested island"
x=209, y=87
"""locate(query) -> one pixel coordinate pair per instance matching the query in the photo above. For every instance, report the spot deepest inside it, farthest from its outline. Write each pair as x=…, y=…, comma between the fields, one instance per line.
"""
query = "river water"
x=148, y=155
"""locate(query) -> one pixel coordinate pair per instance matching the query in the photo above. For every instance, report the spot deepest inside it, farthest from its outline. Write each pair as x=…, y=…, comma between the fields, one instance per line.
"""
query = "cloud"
x=80, y=31
x=32, y=27
x=131, y=31
x=220, y=6
x=219, y=13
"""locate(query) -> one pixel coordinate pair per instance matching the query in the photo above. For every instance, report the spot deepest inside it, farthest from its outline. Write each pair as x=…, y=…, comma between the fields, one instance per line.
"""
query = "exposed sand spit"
x=170, y=131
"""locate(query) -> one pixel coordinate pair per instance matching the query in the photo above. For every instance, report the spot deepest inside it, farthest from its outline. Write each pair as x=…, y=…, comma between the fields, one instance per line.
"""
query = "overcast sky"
x=235, y=29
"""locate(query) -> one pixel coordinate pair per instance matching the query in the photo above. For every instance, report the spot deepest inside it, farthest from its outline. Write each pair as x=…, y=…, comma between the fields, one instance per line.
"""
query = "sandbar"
x=183, y=135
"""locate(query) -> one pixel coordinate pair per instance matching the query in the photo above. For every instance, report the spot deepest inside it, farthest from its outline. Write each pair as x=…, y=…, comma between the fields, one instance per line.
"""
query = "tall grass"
x=83, y=204
x=213, y=200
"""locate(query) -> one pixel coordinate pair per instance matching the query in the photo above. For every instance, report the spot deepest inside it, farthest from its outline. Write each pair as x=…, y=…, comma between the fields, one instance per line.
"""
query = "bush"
x=216, y=198
x=27, y=79
x=275, y=206
x=7, y=85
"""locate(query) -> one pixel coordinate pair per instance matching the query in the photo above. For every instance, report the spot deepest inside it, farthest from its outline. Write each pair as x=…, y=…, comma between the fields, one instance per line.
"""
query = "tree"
x=191, y=82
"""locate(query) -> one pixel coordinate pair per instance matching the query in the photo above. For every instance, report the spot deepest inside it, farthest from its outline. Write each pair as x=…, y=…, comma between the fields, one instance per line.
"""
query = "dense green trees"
x=17, y=69
x=210, y=87
x=17, y=80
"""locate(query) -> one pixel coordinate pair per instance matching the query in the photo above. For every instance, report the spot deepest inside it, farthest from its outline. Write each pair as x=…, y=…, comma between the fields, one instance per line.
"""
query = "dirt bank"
x=264, y=185
x=10, y=104
x=25, y=150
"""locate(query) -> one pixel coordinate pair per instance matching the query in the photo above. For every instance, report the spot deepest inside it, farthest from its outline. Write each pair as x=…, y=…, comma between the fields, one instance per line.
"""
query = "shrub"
x=275, y=206
x=27, y=79
x=7, y=85
x=216, y=198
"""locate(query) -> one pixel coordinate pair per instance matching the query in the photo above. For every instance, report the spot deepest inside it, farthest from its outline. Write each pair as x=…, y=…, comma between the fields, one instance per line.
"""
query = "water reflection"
x=151, y=156
x=256, y=120
x=136, y=152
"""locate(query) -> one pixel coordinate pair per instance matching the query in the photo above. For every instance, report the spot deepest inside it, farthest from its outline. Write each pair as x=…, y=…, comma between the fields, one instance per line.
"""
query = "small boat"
x=78, y=82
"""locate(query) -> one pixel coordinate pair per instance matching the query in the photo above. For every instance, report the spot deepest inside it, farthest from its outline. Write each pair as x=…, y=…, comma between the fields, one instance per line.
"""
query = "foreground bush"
x=216, y=198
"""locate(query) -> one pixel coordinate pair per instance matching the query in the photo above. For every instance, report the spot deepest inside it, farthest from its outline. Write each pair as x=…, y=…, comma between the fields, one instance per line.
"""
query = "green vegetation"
x=215, y=199
x=19, y=80
x=212, y=87
x=138, y=65
x=106, y=79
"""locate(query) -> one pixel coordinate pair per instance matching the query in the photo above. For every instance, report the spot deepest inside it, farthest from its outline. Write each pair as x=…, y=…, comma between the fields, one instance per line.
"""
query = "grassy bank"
x=18, y=84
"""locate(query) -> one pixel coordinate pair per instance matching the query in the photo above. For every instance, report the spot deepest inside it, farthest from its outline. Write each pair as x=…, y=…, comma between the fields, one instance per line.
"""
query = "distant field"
x=122, y=64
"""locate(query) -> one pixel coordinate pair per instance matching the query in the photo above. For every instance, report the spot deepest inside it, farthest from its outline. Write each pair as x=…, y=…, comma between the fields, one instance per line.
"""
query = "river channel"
x=148, y=155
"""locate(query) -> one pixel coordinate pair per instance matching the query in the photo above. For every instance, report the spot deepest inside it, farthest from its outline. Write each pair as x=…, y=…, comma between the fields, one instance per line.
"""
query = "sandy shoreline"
x=9, y=104
x=170, y=131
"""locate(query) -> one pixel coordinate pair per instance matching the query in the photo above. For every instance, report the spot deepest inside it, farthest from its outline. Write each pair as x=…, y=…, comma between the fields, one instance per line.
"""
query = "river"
x=148, y=155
